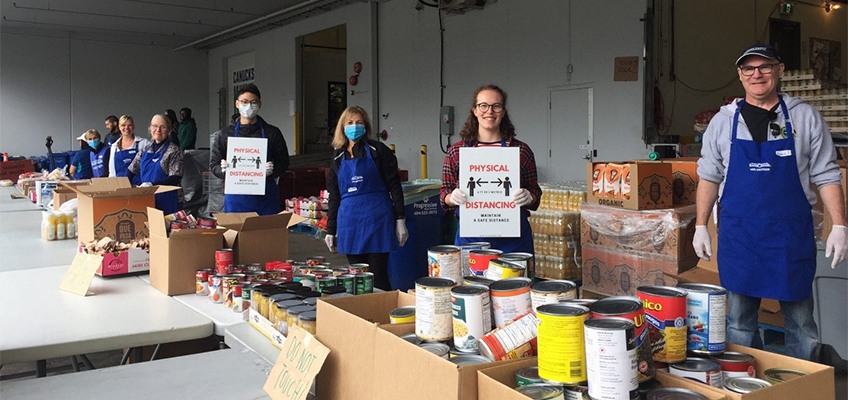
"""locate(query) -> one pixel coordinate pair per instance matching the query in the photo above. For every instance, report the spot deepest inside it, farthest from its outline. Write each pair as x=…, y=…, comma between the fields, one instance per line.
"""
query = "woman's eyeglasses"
x=483, y=107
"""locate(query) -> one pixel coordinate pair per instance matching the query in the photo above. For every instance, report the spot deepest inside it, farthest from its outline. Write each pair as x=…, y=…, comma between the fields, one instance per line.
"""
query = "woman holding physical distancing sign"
x=488, y=125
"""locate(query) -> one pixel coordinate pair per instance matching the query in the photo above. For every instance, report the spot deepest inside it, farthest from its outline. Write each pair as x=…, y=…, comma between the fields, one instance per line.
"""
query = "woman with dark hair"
x=488, y=125
x=365, y=219
x=174, y=134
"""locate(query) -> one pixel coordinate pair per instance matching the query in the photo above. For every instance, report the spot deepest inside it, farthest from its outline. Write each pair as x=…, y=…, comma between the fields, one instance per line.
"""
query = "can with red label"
x=177, y=225
x=665, y=313
x=223, y=261
x=512, y=340
x=629, y=307
x=228, y=281
x=315, y=260
x=464, y=251
x=478, y=260
x=202, y=282
x=734, y=365
x=207, y=223
x=700, y=369
x=238, y=301
x=239, y=269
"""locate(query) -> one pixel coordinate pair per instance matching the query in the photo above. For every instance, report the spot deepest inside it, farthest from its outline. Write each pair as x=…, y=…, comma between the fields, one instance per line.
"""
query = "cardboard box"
x=175, y=259
x=368, y=359
x=650, y=186
x=130, y=261
x=498, y=382
x=612, y=272
x=12, y=169
x=684, y=185
x=817, y=384
x=112, y=207
x=62, y=194
x=255, y=238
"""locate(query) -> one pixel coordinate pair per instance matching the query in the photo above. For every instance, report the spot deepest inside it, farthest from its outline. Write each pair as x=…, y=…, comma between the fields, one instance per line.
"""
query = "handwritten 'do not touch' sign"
x=80, y=274
x=296, y=367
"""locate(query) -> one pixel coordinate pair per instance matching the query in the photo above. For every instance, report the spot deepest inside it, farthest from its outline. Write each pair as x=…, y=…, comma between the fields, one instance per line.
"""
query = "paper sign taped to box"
x=296, y=367
x=489, y=176
x=246, y=172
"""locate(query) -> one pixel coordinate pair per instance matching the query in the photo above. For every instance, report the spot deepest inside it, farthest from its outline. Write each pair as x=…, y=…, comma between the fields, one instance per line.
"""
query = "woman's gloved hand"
x=457, y=198
x=522, y=197
x=402, y=233
x=330, y=240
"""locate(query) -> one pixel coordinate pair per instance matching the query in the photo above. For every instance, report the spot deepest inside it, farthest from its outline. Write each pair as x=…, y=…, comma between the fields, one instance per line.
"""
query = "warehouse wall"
x=709, y=36
x=62, y=87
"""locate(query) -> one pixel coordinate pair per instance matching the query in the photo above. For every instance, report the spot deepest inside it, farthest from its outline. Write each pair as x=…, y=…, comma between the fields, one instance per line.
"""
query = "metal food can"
x=734, y=365
x=551, y=292
x=402, y=315
x=611, y=359
x=337, y=272
x=630, y=308
x=469, y=359
x=706, y=309
x=576, y=392
x=471, y=308
x=216, y=291
x=562, y=355
x=322, y=273
x=478, y=260
x=228, y=282
x=306, y=280
x=202, y=282
x=500, y=269
x=581, y=302
x=526, y=260
x=665, y=312
x=527, y=376
x=254, y=267
x=660, y=366
x=744, y=384
x=238, y=301
x=348, y=281
x=326, y=282
x=513, y=340
x=315, y=260
x=333, y=291
x=445, y=261
x=207, y=223
x=177, y=225
x=455, y=353
x=358, y=267
x=465, y=250
x=439, y=349
x=412, y=338
x=433, y=315
x=780, y=375
x=510, y=299
x=647, y=386
x=542, y=391
x=239, y=269
x=700, y=369
x=674, y=394
x=363, y=283
x=477, y=280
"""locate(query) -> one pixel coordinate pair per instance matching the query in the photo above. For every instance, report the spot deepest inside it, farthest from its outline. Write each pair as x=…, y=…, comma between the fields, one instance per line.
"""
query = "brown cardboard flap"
x=233, y=220
x=111, y=187
x=497, y=382
x=156, y=222
x=166, y=188
x=770, y=305
x=295, y=219
x=264, y=222
x=106, y=185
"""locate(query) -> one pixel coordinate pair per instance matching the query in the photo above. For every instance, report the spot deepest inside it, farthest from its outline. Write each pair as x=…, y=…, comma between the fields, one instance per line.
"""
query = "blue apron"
x=98, y=168
x=123, y=159
x=151, y=171
x=366, y=219
x=262, y=205
x=523, y=243
x=766, y=243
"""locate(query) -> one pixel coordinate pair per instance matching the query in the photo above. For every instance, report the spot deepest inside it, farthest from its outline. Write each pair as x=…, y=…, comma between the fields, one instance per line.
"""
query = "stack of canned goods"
x=478, y=259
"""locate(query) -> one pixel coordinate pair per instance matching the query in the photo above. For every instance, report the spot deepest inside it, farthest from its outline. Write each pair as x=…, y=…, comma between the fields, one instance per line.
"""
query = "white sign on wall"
x=489, y=176
x=246, y=172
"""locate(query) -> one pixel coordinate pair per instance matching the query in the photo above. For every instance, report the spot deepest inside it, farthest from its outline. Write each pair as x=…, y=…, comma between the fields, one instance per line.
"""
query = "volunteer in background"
x=173, y=135
x=160, y=163
x=98, y=157
x=187, y=132
x=123, y=151
x=365, y=220
x=488, y=125
x=112, y=129
x=80, y=165
x=760, y=154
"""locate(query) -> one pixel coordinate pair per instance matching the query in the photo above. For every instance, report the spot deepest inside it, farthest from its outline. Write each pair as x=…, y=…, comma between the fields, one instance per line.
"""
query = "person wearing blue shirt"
x=80, y=166
x=96, y=164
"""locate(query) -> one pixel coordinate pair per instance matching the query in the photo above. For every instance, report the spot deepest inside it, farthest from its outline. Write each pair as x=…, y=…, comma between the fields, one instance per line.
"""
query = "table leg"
x=126, y=356
x=155, y=351
x=41, y=368
x=86, y=361
x=138, y=354
x=74, y=363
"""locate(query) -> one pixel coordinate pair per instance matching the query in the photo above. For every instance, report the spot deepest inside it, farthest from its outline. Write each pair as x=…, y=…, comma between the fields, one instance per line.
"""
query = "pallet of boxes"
x=556, y=230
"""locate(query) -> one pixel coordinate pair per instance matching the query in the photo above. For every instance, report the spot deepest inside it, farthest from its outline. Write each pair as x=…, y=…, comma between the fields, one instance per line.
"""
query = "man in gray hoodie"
x=760, y=154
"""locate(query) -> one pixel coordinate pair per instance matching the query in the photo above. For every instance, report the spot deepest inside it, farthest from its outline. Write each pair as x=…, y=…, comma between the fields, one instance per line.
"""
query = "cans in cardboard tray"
x=445, y=261
x=465, y=251
x=478, y=260
x=472, y=315
x=439, y=349
x=744, y=384
x=674, y=394
x=561, y=347
x=512, y=340
x=700, y=369
x=402, y=315
x=527, y=376
x=551, y=292
x=542, y=391
x=735, y=364
x=780, y=375
x=630, y=308
x=665, y=313
x=706, y=309
x=611, y=358
x=433, y=315
x=510, y=298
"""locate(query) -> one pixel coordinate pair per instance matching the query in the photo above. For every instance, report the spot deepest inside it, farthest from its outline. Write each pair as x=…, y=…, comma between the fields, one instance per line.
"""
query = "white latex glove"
x=402, y=233
x=702, y=242
x=837, y=244
x=146, y=184
x=269, y=168
x=330, y=240
x=224, y=165
x=457, y=198
x=522, y=197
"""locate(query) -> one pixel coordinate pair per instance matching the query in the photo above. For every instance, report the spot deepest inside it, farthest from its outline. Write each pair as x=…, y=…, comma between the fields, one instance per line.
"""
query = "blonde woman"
x=365, y=219
x=124, y=149
x=92, y=161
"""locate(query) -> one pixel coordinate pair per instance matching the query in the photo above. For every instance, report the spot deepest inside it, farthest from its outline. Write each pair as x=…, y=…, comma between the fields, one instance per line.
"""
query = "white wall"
x=62, y=87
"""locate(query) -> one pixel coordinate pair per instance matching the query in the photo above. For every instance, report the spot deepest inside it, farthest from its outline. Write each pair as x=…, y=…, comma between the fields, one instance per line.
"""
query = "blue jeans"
x=801, y=331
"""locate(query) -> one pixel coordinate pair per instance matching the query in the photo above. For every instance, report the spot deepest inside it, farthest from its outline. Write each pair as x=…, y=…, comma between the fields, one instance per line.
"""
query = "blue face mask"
x=354, y=132
x=93, y=143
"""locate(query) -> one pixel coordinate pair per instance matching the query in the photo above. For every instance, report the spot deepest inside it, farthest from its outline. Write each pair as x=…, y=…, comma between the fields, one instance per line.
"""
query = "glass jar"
x=307, y=321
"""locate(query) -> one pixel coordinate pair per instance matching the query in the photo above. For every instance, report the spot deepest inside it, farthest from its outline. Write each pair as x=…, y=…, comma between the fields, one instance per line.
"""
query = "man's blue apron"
x=366, y=219
x=262, y=205
x=98, y=167
x=151, y=171
x=766, y=242
x=123, y=159
x=523, y=243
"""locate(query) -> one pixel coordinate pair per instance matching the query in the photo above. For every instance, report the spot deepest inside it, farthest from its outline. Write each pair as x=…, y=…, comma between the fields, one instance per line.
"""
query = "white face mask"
x=248, y=110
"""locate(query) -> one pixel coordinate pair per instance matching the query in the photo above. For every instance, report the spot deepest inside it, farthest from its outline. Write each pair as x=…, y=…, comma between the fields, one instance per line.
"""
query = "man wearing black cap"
x=759, y=157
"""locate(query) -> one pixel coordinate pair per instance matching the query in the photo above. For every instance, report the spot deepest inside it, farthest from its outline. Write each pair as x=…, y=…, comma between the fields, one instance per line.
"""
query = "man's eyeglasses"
x=483, y=107
x=244, y=103
x=748, y=70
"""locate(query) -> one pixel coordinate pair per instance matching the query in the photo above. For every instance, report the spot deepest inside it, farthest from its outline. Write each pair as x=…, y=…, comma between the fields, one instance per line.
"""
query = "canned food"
x=223, y=261
x=363, y=283
x=477, y=280
x=433, y=315
x=255, y=267
x=510, y=299
x=402, y=315
x=515, y=339
x=665, y=312
x=478, y=260
x=238, y=301
x=333, y=291
x=576, y=392
x=337, y=272
x=744, y=384
x=525, y=260
x=472, y=315
x=358, y=267
x=445, y=261
x=207, y=223
x=542, y=391
x=734, y=365
x=177, y=225
x=216, y=290
x=326, y=282
x=610, y=346
x=630, y=308
x=469, y=359
x=581, y=302
x=552, y=291
x=228, y=282
x=465, y=257
x=674, y=394
x=348, y=281
x=780, y=375
x=315, y=260
x=239, y=269
x=322, y=273
x=706, y=310
x=202, y=282
x=527, y=376
x=454, y=352
x=562, y=355
x=439, y=349
x=412, y=338
x=500, y=269
x=699, y=369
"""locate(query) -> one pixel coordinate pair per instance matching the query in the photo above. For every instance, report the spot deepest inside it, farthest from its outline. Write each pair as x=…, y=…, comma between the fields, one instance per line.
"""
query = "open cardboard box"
x=684, y=185
x=498, y=382
x=369, y=360
x=113, y=207
x=255, y=238
x=132, y=261
x=175, y=259
x=650, y=186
